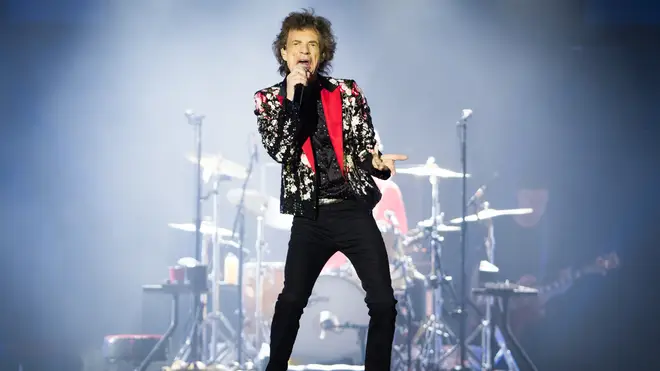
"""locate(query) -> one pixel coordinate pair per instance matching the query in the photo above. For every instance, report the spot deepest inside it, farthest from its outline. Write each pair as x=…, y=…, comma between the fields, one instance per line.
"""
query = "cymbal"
x=261, y=205
x=219, y=165
x=206, y=228
x=491, y=213
x=428, y=223
x=415, y=235
x=429, y=170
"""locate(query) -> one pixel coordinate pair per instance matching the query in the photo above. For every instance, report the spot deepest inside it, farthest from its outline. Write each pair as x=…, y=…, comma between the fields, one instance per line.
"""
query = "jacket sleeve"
x=366, y=135
x=279, y=126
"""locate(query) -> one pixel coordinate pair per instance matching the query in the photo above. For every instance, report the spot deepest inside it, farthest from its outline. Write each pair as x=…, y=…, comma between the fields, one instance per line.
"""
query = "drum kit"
x=239, y=305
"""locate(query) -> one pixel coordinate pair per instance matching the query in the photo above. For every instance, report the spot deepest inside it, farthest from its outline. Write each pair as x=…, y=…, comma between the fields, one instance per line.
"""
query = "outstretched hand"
x=382, y=162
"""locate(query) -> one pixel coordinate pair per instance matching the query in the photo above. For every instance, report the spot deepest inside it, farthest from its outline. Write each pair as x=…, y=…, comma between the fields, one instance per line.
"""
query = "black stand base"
x=166, y=337
x=519, y=355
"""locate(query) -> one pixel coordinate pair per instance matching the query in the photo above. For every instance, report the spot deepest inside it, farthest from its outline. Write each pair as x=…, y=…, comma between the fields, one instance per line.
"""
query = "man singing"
x=325, y=143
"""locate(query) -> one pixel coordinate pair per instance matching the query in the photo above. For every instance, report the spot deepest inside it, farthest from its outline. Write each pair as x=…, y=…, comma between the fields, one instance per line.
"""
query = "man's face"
x=302, y=47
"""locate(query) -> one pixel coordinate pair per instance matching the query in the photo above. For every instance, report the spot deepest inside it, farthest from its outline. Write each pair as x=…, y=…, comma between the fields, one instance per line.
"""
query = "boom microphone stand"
x=434, y=280
x=461, y=125
x=239, y=223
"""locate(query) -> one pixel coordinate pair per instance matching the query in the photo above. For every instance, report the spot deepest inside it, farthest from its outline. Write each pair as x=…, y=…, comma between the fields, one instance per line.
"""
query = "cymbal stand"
x=260, y=245
x=402, y=262
x=435, y=329
x=436, y=252
x=217, y=318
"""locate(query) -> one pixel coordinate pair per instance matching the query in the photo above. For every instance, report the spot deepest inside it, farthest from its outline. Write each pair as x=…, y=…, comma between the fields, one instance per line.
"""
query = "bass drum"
x=342, y=299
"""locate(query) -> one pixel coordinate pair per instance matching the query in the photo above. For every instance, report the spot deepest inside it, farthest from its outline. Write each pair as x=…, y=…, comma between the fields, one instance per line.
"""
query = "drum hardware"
x=216, y=276
x=267, y=212
x=403, y=263
x=434, y=329
x=329, y=322
x=260, y=246
x=239, y=226
x=402, y=283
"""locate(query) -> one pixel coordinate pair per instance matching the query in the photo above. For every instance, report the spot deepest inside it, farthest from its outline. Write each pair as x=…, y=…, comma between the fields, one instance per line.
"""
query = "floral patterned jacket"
x=351, y=132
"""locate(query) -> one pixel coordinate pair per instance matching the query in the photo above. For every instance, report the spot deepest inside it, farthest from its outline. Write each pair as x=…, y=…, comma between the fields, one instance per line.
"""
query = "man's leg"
x=309, y=250
x=360, y=240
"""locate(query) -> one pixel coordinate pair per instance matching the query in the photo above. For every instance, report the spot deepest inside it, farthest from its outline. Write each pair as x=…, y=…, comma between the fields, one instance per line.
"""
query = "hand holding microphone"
x=295, y=82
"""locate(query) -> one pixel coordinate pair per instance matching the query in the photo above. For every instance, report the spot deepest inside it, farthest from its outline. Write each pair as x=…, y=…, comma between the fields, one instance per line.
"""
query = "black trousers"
x=347, y=227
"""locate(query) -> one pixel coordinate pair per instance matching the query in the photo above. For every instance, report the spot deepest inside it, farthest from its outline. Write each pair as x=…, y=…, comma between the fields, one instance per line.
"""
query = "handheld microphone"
x=298, y=94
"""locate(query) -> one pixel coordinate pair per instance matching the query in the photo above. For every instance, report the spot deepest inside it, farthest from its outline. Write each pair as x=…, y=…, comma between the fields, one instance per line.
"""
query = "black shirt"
x=331, y=183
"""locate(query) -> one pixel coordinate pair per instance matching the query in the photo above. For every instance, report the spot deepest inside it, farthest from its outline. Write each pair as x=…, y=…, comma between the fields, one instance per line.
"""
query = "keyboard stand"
x=515, y=356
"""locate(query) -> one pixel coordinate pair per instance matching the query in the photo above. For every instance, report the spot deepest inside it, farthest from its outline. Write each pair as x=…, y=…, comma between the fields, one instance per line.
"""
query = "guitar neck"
x=557, y=287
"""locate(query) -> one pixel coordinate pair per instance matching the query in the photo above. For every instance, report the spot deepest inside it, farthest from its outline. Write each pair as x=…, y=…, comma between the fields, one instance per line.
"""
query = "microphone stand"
x=239, y=223
x=196, y=121
x=461, y=126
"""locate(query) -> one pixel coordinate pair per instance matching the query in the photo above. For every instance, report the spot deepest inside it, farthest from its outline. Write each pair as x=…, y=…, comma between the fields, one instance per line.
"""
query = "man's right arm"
x=279, y=126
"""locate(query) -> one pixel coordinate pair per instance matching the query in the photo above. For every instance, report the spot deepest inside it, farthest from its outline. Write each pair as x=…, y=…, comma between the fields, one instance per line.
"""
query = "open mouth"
x=304, y=62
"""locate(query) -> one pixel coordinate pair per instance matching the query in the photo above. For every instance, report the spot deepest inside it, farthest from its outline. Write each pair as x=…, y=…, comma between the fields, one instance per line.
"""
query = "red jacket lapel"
x=332, y=109
x=307, y=149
